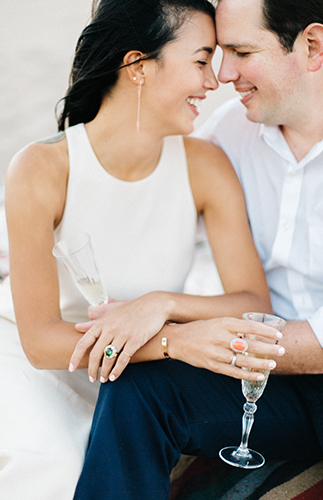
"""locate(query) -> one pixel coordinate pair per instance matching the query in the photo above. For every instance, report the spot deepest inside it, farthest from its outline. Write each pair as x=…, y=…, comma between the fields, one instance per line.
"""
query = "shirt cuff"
x=316, y=323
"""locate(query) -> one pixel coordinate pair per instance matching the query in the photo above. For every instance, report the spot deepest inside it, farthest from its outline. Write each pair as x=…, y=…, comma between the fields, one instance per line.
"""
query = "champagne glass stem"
x=247, y=423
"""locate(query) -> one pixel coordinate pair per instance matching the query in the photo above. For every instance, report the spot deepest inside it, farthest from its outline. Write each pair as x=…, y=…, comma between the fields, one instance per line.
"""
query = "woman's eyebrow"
x=204, y=49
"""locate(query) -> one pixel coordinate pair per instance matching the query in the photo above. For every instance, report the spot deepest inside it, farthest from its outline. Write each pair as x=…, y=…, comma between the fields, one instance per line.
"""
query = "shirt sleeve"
x=220, y=122
x=316, y=323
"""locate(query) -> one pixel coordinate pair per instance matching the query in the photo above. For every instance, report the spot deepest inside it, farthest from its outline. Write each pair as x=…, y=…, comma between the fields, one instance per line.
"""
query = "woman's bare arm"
x=35, y=198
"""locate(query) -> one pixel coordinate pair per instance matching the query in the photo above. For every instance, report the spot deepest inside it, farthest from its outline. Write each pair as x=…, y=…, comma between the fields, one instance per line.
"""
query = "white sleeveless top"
x=143, y=232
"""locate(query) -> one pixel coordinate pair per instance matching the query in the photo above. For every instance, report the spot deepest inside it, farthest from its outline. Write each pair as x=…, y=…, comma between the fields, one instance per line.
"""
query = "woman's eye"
x=203, y=63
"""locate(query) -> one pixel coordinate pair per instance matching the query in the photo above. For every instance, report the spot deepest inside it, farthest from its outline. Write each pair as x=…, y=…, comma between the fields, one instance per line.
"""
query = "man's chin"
x=257, y=116
x=253, y=117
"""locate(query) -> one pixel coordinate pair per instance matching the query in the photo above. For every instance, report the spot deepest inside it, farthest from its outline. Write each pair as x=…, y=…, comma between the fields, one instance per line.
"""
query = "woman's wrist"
x=165, y=302
x=169, y=340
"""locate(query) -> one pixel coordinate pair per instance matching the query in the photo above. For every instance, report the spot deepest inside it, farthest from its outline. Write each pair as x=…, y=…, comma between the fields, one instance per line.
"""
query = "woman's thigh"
x=44, y=425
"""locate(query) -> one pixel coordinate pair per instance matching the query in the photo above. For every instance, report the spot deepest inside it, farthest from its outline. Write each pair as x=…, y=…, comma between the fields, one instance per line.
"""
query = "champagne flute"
x=242, y=456
x=77, y=255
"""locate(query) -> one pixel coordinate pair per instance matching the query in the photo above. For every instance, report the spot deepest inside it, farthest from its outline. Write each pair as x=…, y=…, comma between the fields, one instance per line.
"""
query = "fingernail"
x=261, y=377
x=272, y=365
x=279, y=335
x=112, y=378
x=71, y=368
x=91, y=379
x=103, y=380
x=281, y=351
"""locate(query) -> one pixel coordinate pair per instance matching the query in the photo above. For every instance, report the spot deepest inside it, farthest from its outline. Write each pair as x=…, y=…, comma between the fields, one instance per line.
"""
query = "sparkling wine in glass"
x=77, y=255
x=242, y=456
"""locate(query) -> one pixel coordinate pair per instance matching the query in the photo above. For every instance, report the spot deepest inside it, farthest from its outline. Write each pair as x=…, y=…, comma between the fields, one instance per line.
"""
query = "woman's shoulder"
x=39, y=172
x=204, y=154
x=41, y=159
x=211, y=173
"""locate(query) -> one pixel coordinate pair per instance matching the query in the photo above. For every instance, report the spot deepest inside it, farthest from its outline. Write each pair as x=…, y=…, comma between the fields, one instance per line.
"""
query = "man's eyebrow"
x=204, y=49
x=237, y=46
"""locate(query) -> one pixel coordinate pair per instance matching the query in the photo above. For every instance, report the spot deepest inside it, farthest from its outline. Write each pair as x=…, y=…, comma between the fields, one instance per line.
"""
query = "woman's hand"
x=206, y=344
x=96, y=312
x=127, y=327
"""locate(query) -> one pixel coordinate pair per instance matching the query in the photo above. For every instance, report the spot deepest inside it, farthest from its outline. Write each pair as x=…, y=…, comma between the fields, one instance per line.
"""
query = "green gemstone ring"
x=110, y=352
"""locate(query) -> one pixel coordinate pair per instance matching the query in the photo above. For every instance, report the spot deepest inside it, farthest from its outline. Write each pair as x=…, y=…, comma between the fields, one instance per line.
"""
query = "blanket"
x=212, y=479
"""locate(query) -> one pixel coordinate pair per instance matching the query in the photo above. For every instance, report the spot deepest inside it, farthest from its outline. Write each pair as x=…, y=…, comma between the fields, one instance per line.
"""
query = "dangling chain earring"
x=138, y=110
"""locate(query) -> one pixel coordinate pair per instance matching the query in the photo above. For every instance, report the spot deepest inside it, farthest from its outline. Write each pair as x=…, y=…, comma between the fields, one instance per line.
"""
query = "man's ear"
x=134, y=62
x=313, y=36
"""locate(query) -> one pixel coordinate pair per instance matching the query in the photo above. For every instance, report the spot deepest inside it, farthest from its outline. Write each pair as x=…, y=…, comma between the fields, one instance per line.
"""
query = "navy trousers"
x=157, y=410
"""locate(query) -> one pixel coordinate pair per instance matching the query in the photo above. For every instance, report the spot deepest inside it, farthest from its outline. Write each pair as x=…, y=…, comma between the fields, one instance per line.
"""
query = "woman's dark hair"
x=117, y=27
x=288, y=18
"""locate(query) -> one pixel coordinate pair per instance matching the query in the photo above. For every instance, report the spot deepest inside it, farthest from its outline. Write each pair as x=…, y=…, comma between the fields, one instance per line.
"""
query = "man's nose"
x=227, y=73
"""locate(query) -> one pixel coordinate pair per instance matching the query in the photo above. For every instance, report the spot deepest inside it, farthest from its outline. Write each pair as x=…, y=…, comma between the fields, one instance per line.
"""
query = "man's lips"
x=245, y=94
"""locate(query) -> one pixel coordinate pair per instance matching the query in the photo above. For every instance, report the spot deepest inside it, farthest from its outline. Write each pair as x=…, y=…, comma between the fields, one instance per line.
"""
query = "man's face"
x=269, y=80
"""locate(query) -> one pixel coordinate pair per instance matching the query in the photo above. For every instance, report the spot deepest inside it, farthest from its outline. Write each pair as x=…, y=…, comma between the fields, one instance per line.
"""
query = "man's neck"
x=302, y=140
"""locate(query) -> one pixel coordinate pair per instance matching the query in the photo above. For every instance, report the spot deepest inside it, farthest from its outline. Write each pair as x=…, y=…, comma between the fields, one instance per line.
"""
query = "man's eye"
x=203, y=63
x=242, y=54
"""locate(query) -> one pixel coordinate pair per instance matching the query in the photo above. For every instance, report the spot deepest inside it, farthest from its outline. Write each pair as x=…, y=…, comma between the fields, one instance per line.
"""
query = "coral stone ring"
x=239, y=345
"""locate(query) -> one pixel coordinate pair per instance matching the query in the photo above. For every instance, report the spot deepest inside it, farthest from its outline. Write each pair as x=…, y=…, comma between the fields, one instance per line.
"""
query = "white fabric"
x=285, y=207
x=143, y=235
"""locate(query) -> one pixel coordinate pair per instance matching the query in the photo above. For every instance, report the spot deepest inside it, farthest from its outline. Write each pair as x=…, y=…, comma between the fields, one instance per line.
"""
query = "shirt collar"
x=274, y=138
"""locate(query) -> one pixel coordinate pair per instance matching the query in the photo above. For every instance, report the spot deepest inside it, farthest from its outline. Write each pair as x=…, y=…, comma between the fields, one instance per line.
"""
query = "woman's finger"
x=84, y=327
x=89, y=338
x=113, y=371
x=264, y=349
x=252, y=362
x=96, y=312
x=236, y=326
x=104, y=355
x=255, y=328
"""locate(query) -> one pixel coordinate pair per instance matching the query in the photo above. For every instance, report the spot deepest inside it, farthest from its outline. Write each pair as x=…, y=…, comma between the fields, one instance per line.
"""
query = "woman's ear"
x=133, y=61
x=313, y=36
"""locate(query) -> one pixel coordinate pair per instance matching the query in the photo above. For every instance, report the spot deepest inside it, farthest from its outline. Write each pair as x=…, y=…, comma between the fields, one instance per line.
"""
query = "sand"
x=37, y=41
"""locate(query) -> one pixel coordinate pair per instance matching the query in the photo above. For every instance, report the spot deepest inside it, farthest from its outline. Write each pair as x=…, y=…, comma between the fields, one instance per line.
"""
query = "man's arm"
x=304, y=353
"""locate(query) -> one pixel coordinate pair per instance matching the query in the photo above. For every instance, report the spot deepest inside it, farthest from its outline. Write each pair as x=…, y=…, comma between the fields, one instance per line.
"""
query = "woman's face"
x=176, y=84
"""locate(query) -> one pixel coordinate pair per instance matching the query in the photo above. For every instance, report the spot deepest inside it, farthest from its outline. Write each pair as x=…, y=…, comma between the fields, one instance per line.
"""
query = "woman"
x=129, y=179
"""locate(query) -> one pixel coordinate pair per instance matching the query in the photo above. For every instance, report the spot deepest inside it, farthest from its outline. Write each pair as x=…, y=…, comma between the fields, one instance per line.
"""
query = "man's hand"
x=304, y=354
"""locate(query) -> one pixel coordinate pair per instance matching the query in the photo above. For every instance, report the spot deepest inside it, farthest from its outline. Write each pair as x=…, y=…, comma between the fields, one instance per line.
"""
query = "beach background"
x=37, y=42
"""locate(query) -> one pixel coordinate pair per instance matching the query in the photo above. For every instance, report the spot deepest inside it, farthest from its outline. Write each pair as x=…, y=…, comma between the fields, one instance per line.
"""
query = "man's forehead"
x=237, y=21
x=250, y=11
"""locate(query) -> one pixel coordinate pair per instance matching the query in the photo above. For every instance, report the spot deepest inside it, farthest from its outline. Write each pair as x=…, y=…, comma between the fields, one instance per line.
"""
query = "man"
x=273, y=53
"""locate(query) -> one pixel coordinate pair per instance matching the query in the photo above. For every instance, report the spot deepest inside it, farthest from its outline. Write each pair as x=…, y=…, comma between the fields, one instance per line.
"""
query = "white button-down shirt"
x=285, y=207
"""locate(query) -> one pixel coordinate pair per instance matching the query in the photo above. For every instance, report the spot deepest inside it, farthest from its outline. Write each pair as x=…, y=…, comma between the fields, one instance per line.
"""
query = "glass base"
x=249, y=460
